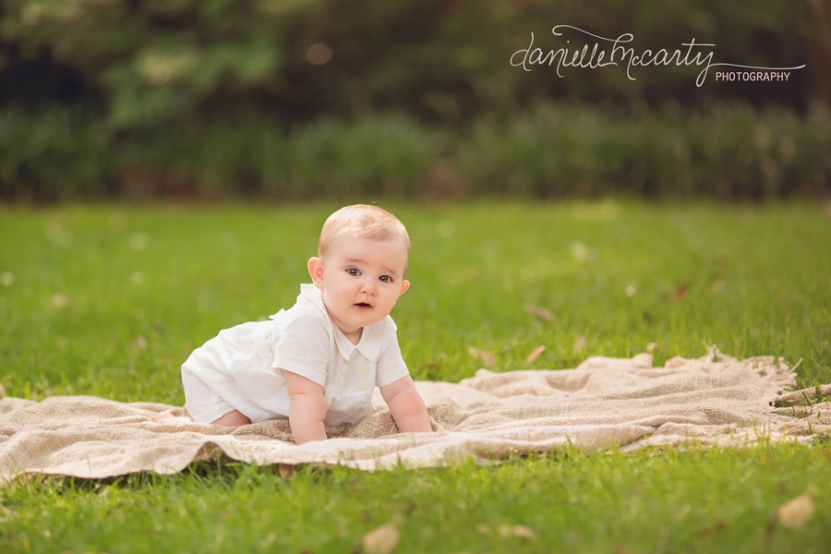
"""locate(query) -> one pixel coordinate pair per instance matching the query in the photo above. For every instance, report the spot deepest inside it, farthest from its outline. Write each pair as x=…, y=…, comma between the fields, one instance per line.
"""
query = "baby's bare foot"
x=169, y=419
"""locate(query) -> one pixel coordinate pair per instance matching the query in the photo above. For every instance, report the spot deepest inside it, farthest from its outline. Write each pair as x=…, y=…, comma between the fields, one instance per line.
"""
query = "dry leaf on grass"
x=679, y=293
x=381, y=540
x=534, y=354
x=796, y=513
x=524, y=532
x=539, y=313
x=652, y=347
x=519, y=531
x=60, y=300
x=482, y=528
x=507, y=531
x=286, y=471
x=488, y=358
x=268, y=540
x=579, y=344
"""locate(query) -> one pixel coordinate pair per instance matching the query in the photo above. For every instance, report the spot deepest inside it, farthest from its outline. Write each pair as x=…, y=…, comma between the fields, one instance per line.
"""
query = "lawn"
x=108, y=300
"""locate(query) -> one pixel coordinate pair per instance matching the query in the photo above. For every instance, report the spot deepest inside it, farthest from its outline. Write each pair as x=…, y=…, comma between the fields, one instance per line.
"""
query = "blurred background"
x=301, y=99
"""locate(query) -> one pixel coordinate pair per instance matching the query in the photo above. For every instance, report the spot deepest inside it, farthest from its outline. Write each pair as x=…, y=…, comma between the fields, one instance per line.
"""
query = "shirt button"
x=363, y=370
x=363, y=385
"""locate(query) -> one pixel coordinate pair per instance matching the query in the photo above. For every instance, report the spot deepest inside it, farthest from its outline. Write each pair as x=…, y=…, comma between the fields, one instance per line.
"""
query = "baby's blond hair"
x=362, y=220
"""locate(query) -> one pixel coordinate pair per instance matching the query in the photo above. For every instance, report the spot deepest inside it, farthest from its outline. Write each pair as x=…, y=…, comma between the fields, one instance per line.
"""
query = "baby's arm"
x=406, y=406
x=307, y=408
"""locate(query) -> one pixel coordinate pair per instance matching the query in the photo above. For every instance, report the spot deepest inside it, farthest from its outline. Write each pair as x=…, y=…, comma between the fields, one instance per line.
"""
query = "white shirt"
x=244, y=364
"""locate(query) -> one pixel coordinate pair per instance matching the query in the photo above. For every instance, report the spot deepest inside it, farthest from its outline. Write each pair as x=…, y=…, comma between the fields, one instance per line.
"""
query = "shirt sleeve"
x=302, y=345
x=391, y=366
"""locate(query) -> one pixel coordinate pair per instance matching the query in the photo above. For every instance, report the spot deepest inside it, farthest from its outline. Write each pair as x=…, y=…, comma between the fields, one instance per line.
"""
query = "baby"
x=318, y=362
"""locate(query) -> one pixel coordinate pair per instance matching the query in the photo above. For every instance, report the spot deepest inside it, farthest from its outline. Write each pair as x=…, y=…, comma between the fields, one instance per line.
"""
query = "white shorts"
x=202, y=403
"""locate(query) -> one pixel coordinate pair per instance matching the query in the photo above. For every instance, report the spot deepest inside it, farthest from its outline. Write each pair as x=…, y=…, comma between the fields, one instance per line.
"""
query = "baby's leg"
x=206, y=406
x=232, y=419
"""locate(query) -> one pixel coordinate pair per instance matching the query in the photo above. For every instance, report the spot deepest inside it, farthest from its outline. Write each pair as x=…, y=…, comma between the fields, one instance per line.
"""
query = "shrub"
x=728, y=151
x=551, y=150
x=56, y=154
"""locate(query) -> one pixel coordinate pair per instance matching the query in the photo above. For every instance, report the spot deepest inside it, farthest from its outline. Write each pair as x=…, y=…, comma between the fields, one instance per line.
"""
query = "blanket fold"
x=605, y=402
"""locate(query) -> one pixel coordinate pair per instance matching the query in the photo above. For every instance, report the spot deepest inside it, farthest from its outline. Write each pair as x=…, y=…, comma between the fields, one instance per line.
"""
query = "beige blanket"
x=605, y=402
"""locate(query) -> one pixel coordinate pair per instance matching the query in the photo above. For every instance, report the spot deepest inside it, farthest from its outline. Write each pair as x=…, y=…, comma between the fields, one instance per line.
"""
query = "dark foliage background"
x=298, y=98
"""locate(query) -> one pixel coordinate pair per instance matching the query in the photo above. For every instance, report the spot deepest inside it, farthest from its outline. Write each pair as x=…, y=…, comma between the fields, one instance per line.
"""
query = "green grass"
x=108, y=300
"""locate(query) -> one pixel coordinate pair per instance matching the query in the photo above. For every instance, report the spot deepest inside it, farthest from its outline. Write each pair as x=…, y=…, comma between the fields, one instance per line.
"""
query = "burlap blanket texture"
x=604, y=402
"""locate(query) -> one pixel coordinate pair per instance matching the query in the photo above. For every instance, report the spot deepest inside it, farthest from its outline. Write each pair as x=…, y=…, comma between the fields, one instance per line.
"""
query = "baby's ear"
x=404, y=286
x=316, y=271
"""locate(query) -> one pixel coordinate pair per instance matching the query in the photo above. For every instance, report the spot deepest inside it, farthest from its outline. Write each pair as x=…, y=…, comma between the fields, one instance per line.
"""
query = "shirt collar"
x=371, y=337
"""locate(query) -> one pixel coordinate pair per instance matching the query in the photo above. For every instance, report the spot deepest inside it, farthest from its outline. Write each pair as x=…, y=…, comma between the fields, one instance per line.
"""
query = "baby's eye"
x=353, y=272
x=386, y=279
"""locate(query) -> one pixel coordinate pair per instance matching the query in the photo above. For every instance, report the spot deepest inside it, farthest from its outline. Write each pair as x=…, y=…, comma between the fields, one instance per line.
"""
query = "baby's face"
x=360, y=280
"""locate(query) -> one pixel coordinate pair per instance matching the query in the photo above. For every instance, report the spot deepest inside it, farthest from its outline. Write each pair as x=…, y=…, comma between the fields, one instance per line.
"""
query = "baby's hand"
x=406, y=406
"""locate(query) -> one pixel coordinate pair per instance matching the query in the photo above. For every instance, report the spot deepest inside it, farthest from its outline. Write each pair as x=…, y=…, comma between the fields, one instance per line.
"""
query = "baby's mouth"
x=363, y=305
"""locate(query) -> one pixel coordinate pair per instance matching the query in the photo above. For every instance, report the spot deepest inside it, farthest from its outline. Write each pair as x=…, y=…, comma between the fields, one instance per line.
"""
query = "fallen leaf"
x=139, y=241
x=286, y=471
x=488, y=358
x=141, y=342
x=796, y=513
x=534, y=354
x=652, y=347
x=707, y=531
x=679, y=293
x=770, y=525
x=579, y=344
x=268, y=540
x=579, y=251
x=523, y=532
x=519, y=531
x=539, y=313
x=60, y=300
x=482, y=528
x=381, y=540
